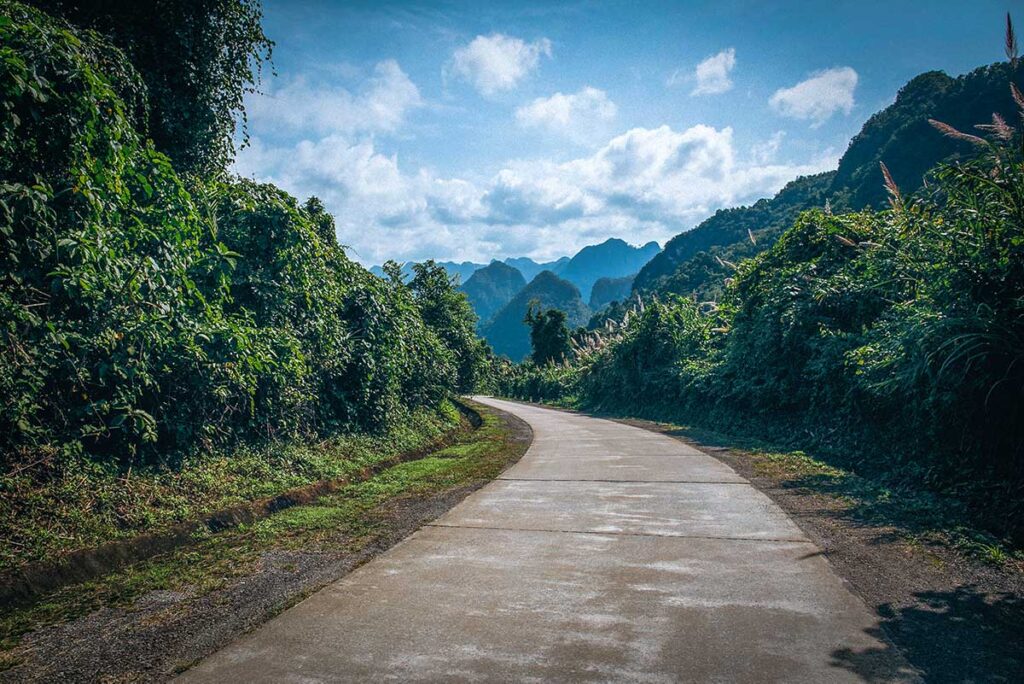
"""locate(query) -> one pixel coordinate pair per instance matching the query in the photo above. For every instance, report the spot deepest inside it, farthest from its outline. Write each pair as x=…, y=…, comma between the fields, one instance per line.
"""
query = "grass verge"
x=43, y=516
x=342, y=522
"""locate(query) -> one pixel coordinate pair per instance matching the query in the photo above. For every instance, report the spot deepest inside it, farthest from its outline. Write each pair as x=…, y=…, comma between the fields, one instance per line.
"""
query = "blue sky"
x=479, y=130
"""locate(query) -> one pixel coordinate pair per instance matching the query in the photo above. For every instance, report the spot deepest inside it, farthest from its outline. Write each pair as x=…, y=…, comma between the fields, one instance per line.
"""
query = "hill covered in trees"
x=509, y=334
x=900, y=136
x=608, y=290
x=491, y=288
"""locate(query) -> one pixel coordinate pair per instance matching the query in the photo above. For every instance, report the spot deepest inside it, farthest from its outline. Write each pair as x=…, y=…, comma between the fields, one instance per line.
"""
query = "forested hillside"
x=890, y=338
x=900, y=136
x=491, y=288
x=608, y=290
x=508, y=333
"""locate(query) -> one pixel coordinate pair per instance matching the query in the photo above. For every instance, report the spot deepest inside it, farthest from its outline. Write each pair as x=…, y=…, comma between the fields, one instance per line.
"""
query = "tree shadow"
x=962, y=635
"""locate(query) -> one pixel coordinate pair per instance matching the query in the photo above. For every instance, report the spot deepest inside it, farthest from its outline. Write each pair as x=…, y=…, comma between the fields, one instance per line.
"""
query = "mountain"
x=491, y=288
x=688, y=262
x=530, y=268
x=608, y=290
x=613, y=258
x=506, y=331
x=899, y=135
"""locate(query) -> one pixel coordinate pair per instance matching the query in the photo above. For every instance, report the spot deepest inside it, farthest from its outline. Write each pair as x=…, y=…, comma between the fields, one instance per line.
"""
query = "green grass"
x=84, y=506
x=344, y=520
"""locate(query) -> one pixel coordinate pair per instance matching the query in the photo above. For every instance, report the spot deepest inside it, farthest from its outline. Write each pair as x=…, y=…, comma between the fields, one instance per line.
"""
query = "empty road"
x=608, y=553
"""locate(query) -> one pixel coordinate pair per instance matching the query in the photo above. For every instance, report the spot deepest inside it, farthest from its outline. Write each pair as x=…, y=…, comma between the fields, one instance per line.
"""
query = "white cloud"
x=767, y=151
x=381, y=104
x=650, y=174
x=578, y=115
x=819, y=97
x=712, y=75
x=644, y=184
x=497, y=62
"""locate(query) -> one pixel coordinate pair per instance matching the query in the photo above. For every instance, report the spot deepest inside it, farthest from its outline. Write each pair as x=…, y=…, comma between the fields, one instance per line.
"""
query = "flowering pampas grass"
x=1011, y=42
x=895, y=198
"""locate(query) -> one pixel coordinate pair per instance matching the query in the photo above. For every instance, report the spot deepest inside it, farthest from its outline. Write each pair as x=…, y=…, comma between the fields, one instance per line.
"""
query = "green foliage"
x=549, y=336
x=447, y=312
x=142, y=322
x=197, y=61
x=102, y=250
x=660, y=343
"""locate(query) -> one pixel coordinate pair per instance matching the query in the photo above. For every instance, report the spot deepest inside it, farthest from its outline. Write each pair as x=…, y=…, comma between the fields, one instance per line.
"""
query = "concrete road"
x=608, y=553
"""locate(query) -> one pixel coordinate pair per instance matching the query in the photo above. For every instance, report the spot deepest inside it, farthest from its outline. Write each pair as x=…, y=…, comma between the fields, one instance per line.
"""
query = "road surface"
x=608, y=553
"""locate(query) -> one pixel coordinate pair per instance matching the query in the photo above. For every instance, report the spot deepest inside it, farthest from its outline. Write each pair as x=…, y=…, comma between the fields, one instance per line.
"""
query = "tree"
x=448, y=313
x=549, y=334
x=198, y=59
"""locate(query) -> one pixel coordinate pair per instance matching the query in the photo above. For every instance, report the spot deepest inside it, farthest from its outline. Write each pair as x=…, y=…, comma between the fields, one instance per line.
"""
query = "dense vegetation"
x=894, y=338
x=196, y=60
x=152, y=308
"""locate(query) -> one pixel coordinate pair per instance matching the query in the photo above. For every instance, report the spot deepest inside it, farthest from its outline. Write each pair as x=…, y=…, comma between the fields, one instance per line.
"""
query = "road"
x=608, y=553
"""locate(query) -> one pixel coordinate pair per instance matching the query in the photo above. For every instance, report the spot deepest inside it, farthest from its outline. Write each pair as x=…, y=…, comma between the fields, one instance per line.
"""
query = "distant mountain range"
x=463, y=269
x=600, y=274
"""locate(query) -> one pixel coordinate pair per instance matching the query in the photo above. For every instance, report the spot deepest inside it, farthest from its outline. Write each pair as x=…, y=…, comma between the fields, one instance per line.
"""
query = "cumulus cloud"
x=647, y=183
x=650, y=174
x=712, y=75
x=380, y=104
x=819, y=97
x=578, y=115
x=497, y=62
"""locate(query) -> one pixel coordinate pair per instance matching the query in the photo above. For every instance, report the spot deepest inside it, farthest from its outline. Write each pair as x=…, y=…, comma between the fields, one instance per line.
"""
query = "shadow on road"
x=951, y=636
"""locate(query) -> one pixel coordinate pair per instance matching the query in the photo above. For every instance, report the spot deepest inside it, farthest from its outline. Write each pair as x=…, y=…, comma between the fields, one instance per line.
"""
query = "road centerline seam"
x=623, y=534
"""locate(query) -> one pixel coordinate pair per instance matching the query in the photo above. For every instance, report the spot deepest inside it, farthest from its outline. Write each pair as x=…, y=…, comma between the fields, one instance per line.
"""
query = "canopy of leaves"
x=197, y=60
x=549, y=336
x=140, y=321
